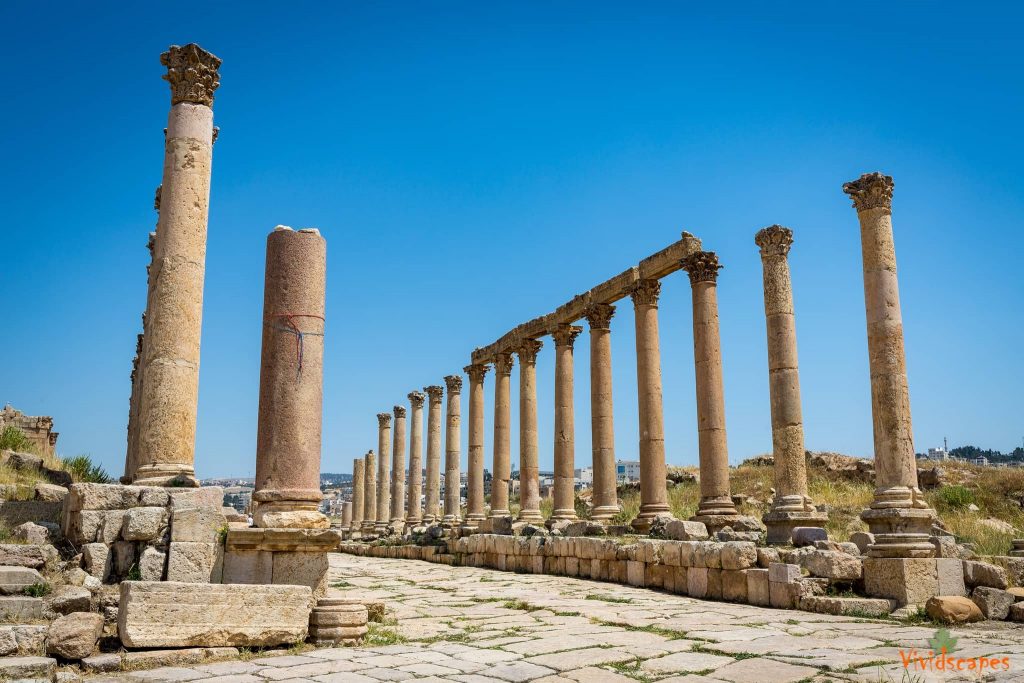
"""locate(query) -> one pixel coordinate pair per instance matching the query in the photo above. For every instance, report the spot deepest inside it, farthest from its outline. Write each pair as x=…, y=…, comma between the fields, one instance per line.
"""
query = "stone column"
x=358, y=499
x=529, y=473
x=369, y=493
x=605, y=499
x=346, y=514
x=452, y=437
x=791, y=506
x=432, y=506
x=383, y=496
x=287, y=492
x=565, y=426
x=716, y=508
x=413, y=513
x=475, y=480
x=501, y=473
x=653, y=492
x=170, y=380
x=899, y=516
x=398, y=472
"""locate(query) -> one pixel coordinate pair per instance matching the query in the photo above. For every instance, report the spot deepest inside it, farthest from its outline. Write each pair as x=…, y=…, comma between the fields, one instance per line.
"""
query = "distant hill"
x=334, y=478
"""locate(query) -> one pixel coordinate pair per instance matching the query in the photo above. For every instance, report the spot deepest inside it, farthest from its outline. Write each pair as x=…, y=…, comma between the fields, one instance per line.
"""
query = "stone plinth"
x=529, y=469
x=899, y=517
x=475, y=479
x=452, y=476
x=501, y=473
x=170, y=367
x=280, y=557
x=413, y=506
x=337, y=621
x=565, y=429
x=383, y=495
x=287, y=492
x=432, y=503
x=398, y=471
x=602, y=424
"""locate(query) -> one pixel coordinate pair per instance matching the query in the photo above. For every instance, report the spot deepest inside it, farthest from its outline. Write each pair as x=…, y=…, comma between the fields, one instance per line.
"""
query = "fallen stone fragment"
x=994, y=603
x=74, y=636
x=953, y=609
x=68, y=599
x=14, y=580
x=984, y=574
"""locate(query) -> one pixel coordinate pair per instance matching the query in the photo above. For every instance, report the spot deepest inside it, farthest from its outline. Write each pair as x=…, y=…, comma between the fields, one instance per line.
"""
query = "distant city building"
x=980, y=460
x=938, y=454
x=585, y=476
x=627, y=470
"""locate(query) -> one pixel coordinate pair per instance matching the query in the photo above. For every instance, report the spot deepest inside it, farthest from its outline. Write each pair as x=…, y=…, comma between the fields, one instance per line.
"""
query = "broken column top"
x=192, y=73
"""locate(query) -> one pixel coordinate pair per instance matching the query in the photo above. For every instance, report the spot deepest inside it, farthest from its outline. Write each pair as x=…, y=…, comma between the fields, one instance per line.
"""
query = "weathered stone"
x=110, y=529
x=16, y=608
x=30, y=532
x=951, y=576
x=103, y=663
x=177, y=657
x=37, y=556
x=14, y=580
x=86, y=496
x=827, y=604
x=173, y=614
x=197, y=525
x=97, y=559
x=16, y=668
x=734, y=585
x=738, y=555
x=204, y=498
x=984, y=574
x=248, y=566
x=151, y=564
x=144, y=523
x=758, y=590
x=15, y=512
x=74, y=636
x=905, y=580
x=862, y=540
x=189, y=562
x=697, y=582
x=783, y=573
x=685, y=530
x=1017, y=611
x=765, y=556
x=807, y=535
x=993, y=602
x=125, y=557
x=953, y=609
x=835, y=565
x=68, y=599
x=50, y=493
x=302, y=569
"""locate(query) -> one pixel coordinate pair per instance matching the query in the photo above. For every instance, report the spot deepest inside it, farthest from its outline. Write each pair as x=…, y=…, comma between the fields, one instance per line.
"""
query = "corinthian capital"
x=702, y=266
x=476, y=371
x=399, y=411
x=384, y=420
x=192, y=73
x=871, y=191
x=454, y=384
x=528, y=350
x=565, y=335
x=774, y=240
x=434, y=392
x=599, y=316
x=503, y=363
x=416, y=399
x=646, y=292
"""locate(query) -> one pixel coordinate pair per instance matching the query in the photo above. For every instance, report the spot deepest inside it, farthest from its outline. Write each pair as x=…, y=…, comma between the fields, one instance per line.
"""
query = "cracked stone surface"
x=469, y=625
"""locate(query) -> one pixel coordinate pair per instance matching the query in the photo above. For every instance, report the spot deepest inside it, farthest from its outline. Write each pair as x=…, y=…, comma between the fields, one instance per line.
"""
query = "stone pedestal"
x=337, y=621
x=716, y=508
x=358, y=498
x=295, y=557
x=398, y=471
x=452, y=471
x=432, y=506
x=368, y=525
x=170, y=366
x=382, y=510
x=899, y=517
x=653, y=494
x=501, y=474
x=605, y=500
x=791, y=506
x=529, y=474
x=908, y=581
x=565, y=430
x=413, y=509
x=475, y=479
x=287, y=492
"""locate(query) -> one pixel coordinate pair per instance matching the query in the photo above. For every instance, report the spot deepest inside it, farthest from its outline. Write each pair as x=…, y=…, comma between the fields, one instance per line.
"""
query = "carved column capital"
x=416, y=399
x=454, y=384
x=702, y=266
x=646, y=292
x=775, y=240
x=599, y=316
x=565, y=335
x=434, y=392
x=399, y=411
x=871, y=191
x=503, y=363
x=192, y=73
x=528, y=350
x=383, y=420
x=476, y=371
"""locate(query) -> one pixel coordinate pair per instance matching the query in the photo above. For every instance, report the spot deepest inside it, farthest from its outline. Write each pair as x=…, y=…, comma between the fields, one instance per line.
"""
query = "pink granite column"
x=565, y=424
x=398, y=472
x=605, y=499
x=475, y=480
x=413, y=511
x=502, y=471
x=287, y=492
x=452, y=470
x=529, y=469
x=432, y=506
x=899, y=516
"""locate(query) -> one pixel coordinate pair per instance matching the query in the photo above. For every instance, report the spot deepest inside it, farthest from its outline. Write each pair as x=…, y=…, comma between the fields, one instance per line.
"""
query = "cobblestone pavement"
x=483, y=626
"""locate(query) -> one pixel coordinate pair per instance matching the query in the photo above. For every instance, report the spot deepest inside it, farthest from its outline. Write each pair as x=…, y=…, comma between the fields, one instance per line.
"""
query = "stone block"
x=734, y=585
x=950, y=571
x=993, y=602
x=103, y=663
x=862, y=539
x=15, y=512
x=305, y=569
x=680, y=582
x=714, y=584
x=83, y=526
x=335, y=618
x=757, y=587
x=74, y=636
x=38, y=556
x=783, y=595
x=685, y=530
x=765, y=556
x=670, y=554
x=807, y=535
x=14, y=580
x=30, y=532
x=28, y=668
x=834, y=565
x=697, y=582
x=124, y=557
x=144, y=523
x=174, y=614
x=197, y=525
x=204, y=498
x=152, y=564
x=984, y=574
x=195, y=562
x=110, y=530
x=68, y=599
x=738, y=555
x=783, y=573
x=1017, y=611
x=687, y=551
x=248, y=566
x=953, y=609
x=635, y=572
x=827, y=604
x=19, y=609
x=97, y=559
x=905, y=580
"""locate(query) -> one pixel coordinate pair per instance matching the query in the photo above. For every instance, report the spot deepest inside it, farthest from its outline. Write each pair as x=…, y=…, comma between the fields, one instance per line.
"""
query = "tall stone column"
x=398, y=472
x=716, y=508
x=791, y=507
x=287, y=492
x=529, y=471
x=432, y=505
x=413, y=512
x=602, y=425
x=452, y=438
x=170, y=379
x=565, y=425
x=899, y=516
x=475, y=479
x=358, y=500
x=346, y=514
x=383, y=496
x=501, y=473
x=369, y=493
x=653, y=492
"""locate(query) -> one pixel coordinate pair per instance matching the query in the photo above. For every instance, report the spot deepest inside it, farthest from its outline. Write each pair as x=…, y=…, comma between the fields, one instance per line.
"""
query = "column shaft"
x=475, y=479
x=502, y=471
x=382, y=510
x=358, y=500
x=605, y=499
x=369, y=493
x=413, y=512
x=529, y=472
x=432, y=508
x=346, y=514
x=398, y=472
x=452, y=469
x=565, y=426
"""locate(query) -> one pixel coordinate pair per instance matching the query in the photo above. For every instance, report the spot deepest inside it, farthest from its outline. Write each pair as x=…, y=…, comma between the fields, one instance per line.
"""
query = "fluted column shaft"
x=502, y=471
x=382, y=511
x=529, y=472
x=358, y=499
x=432, y=508
x=605, y=499
x=565, y=425
x=413, y=513
x=453, y=435
x=475, y=479
x=369, y=493
x=398, y=471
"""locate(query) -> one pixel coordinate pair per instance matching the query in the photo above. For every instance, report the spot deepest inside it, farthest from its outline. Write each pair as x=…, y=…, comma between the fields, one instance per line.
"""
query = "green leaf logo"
x=943, y=642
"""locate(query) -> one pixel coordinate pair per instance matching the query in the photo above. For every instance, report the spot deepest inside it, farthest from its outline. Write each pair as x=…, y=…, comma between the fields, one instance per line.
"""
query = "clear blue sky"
x=473, y=165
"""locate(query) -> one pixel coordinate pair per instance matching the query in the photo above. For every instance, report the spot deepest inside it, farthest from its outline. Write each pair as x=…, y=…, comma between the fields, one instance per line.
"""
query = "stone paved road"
x=471, y=625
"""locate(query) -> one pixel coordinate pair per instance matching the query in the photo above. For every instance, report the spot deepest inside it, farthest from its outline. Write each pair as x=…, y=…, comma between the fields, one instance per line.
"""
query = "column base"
x=567, y=514
x=166, y=474
x=604, y=513
x=398, y=523
x=499, y=513
x=413, y=522
x=901, y=522
x=289, y=515
x=648, y=513
x=450, y=521
x=531, y=516
x=780, y=524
